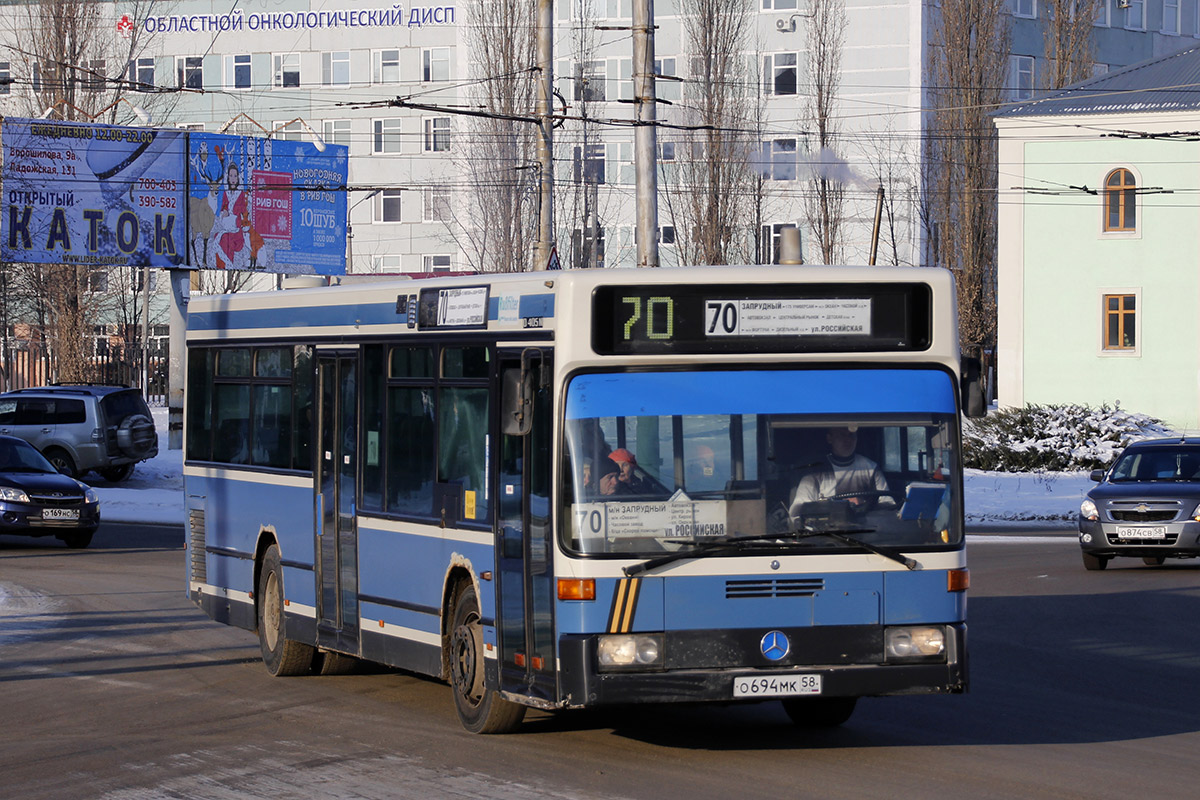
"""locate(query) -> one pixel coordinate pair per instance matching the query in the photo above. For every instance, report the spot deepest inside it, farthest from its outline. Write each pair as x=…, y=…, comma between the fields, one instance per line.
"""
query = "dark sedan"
x=1147, y=505
x=37, y=500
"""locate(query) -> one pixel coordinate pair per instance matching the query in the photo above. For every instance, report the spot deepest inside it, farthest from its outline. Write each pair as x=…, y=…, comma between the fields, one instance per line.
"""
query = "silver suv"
x=82, y=427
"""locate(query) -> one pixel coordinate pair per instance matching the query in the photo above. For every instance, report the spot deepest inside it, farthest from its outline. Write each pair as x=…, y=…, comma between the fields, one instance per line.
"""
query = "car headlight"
x=634, y=650
x=1087, y=509
x=13, y=495
x=90, y=496
x=914, y=643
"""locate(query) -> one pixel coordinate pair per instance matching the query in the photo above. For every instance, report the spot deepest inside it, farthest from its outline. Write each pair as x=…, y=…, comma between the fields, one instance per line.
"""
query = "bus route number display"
x=818, y=317
x=728, y=319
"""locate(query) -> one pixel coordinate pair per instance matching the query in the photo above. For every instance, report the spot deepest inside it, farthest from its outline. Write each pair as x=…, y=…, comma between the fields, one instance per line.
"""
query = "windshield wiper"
x=717, y=545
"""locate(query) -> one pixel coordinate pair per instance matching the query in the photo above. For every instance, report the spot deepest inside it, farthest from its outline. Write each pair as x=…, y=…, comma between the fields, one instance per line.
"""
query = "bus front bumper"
x=582, y=683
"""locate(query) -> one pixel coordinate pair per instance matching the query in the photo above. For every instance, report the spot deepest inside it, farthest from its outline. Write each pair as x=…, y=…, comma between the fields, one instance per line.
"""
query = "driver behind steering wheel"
x=844, y=475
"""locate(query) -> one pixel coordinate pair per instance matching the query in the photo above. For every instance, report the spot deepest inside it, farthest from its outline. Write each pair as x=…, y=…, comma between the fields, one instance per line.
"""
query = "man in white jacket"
x=844, y=475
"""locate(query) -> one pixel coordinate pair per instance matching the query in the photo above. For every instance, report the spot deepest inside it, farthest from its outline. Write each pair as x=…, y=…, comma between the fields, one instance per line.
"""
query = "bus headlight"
x=636, y=650
x=1087, y=509
x=912, y=643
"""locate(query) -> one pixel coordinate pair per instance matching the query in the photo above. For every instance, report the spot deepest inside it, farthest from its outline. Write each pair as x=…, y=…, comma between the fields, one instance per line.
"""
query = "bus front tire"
x=819, y=712
x=480, y=709
x=282, y=656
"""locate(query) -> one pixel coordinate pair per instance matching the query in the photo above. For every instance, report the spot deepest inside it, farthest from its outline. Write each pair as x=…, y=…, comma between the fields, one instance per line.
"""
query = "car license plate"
x=60, y=513
x=777, y=686
x=1142, y=532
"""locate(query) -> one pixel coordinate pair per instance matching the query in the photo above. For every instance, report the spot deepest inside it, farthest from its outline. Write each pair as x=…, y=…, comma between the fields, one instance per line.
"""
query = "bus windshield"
x=659, y=462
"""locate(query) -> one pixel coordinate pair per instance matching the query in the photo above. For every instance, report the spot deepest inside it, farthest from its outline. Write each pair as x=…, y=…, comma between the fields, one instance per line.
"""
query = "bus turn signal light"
x=958, y=580
x=576, y=589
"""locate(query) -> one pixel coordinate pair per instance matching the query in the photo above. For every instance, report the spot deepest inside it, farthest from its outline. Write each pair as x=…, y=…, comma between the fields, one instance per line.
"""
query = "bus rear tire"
x=282, y=656
x=331, y=663
x=480, y=709
x=819, y=712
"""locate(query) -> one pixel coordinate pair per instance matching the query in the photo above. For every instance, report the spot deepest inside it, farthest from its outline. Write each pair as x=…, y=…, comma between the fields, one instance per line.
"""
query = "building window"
x=137, y=279
x=437, y=135
x=588, y=163
x=287, y=71
x=778, y=5
x=436, y=205
x=666, y=89
x=5, y=77
x=1170, y=21
x=94, y=78
x=779, y=159
x=666, y=235
x=1025, y=8
x=336, y=131
x=387, y=136
x=189, y=72
x=1135, y=15
x=1102, y=14
x=97, y=281
x=1021, y=78
x=335, y=68
x=385, y=66
x=435, y=64
x=779, y=74
x=387, y=205
x=386, y=263
x=590, y=81
x=771, y=242
x=1120, y=322
x=141, y=75
x=237, y=72
x=292, y=132
x=437, y=263
x=1120, y=201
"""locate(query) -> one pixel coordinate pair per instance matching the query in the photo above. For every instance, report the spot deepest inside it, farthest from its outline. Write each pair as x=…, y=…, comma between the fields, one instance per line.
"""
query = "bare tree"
x=967, y=70
x=1070, y=47
x=824, y=203
x=889, y=158
x=73, y=67
x=499, y=212
x=710, y=202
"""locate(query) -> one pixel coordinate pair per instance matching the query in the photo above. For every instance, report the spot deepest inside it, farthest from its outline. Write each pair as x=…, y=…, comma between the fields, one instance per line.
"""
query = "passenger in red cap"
x=625, y=480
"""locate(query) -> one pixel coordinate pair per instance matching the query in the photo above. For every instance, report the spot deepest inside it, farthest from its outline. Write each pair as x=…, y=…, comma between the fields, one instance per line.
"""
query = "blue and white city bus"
x=584, y=488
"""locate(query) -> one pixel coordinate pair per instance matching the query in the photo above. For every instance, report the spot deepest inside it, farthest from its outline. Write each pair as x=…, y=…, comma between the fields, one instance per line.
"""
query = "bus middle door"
x=525, y=547
x=337, y=533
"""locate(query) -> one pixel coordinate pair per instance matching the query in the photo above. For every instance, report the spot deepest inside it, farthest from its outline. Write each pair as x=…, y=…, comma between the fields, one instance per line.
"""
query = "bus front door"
x=337, y=535
x=525, y=554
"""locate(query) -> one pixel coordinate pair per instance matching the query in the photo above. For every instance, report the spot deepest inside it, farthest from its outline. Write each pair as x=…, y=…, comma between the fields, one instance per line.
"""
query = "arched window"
x=1120, y=201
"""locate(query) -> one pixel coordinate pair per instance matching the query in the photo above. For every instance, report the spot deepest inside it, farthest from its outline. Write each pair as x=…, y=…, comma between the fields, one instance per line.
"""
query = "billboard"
x=104, y=195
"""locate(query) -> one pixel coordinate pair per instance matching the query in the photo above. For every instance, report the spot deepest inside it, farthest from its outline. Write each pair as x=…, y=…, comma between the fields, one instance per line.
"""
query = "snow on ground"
x=154, y=493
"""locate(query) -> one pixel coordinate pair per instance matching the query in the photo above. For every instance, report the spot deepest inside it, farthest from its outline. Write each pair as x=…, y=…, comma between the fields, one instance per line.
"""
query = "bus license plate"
x=60, y=513
x=777, y=686
x=1142, y=532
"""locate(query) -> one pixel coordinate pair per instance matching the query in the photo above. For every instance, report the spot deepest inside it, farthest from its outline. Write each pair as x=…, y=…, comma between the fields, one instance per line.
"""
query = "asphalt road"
x=113, y=686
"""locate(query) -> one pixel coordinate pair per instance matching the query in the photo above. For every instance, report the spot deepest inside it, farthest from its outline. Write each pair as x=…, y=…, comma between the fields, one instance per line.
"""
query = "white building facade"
x=284, y=67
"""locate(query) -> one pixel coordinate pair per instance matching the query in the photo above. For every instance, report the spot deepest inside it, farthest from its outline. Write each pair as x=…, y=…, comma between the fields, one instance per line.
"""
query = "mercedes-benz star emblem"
x=775, y=645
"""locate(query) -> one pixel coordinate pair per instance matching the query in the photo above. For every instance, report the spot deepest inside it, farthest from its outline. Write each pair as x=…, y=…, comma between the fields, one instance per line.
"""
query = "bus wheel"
x=480, y=709
x=820, y=712
x=1095, y=562
x=281, y=655
x=331, y=663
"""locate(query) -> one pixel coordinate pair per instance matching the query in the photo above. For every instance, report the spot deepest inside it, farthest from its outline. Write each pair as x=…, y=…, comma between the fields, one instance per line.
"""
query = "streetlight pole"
x=350, y=230
x=545, y=149
x=645, y=134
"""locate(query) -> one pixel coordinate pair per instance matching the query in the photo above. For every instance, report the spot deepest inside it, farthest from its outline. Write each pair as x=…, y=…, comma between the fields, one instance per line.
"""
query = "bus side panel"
x=401, y=594
x=232, y=534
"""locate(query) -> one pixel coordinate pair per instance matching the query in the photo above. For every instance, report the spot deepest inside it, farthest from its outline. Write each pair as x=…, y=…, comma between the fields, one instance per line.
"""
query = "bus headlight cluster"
x=633, y=650
x=914, y=643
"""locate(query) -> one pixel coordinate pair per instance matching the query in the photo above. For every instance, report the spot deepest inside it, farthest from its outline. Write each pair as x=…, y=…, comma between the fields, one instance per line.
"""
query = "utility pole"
x=645, y=133
x=545, y=149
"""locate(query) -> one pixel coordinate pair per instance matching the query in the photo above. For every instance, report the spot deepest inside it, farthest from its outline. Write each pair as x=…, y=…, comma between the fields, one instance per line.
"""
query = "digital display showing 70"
x=756, y=319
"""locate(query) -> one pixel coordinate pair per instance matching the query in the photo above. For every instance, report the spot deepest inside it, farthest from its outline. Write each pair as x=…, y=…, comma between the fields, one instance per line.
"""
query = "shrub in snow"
x=1054, y=438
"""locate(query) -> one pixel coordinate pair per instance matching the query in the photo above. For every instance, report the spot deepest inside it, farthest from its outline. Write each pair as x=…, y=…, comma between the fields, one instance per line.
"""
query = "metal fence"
x=25, y=363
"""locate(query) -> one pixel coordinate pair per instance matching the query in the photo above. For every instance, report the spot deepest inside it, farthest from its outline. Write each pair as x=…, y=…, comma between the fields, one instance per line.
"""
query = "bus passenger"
x=843, y=475
x=624, y=480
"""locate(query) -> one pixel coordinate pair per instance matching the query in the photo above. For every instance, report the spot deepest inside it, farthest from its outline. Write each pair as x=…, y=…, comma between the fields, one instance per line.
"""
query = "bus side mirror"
x=972, y=389
x=516, y=409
